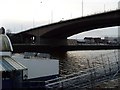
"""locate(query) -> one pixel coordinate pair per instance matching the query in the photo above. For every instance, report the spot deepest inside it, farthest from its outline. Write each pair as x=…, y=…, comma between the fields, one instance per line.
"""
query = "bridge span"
x=68, y=28
x=57, y=33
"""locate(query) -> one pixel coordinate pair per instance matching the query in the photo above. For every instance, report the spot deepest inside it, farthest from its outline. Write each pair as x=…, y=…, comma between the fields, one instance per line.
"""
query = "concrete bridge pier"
x=50, y=41
x=61, y=55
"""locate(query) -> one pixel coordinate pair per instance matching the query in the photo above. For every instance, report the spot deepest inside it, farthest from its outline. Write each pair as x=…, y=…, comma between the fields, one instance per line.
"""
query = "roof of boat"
x=9, y=64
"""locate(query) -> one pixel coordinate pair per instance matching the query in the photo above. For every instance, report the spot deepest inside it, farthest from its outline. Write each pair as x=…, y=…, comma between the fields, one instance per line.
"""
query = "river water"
x=77, y=61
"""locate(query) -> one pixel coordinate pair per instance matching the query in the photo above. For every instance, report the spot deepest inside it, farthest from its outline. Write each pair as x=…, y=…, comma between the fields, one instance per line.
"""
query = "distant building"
x=89, y=40
x=92, y=40
x=97, y=40
x=111, y=40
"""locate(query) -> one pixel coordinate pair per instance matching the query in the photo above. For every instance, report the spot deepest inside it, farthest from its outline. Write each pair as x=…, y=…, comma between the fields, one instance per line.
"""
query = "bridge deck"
x=50, y=48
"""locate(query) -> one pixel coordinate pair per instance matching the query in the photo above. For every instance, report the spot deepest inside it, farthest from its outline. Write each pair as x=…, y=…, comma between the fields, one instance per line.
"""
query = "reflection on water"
x=76, y=61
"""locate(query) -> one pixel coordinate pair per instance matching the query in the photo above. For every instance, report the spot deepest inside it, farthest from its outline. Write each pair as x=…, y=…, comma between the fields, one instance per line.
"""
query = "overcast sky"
x=20, y=15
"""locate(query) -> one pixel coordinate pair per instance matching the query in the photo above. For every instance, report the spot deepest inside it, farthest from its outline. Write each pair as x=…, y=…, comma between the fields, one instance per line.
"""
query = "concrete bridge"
x=56, y=34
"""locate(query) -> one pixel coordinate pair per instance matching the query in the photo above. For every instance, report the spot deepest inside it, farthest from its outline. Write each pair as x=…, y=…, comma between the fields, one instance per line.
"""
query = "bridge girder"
x=68, y=28
x=87, y=23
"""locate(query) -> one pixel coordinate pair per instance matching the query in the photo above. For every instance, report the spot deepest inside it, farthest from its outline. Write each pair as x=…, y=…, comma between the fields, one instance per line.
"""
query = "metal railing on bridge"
x=90, y=77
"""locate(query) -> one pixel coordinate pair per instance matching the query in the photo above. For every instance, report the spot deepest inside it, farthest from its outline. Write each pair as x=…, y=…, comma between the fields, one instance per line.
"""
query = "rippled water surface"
x=76, y=61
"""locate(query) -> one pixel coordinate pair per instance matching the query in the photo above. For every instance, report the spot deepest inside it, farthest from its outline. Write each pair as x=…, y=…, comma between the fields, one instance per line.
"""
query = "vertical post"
x=119, y=57
x=103, y=64
x=51, y=16
x=116, y=60
x=71, y=15
x=91, y=77
x=33, y=22
x=94, y=69
x=118, y=49
x=109, y=66
x=82, y=8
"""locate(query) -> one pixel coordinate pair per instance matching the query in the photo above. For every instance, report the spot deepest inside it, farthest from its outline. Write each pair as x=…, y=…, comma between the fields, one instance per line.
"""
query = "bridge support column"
x=55, y=41
x=52, y=42
x=59, y=54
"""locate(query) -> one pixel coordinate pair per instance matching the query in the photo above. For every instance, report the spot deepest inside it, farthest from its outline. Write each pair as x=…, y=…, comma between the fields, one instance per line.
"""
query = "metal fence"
x=107, y=69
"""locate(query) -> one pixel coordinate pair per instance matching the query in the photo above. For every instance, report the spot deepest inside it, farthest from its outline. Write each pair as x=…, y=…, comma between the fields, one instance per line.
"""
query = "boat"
x=24, y=70
x=40, y=69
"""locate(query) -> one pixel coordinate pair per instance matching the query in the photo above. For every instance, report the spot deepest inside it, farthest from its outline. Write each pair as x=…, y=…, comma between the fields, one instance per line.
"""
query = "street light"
x=82, y=8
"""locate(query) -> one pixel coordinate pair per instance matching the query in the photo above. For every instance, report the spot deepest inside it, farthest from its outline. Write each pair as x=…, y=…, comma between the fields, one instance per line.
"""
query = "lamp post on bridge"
x=82, y=8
